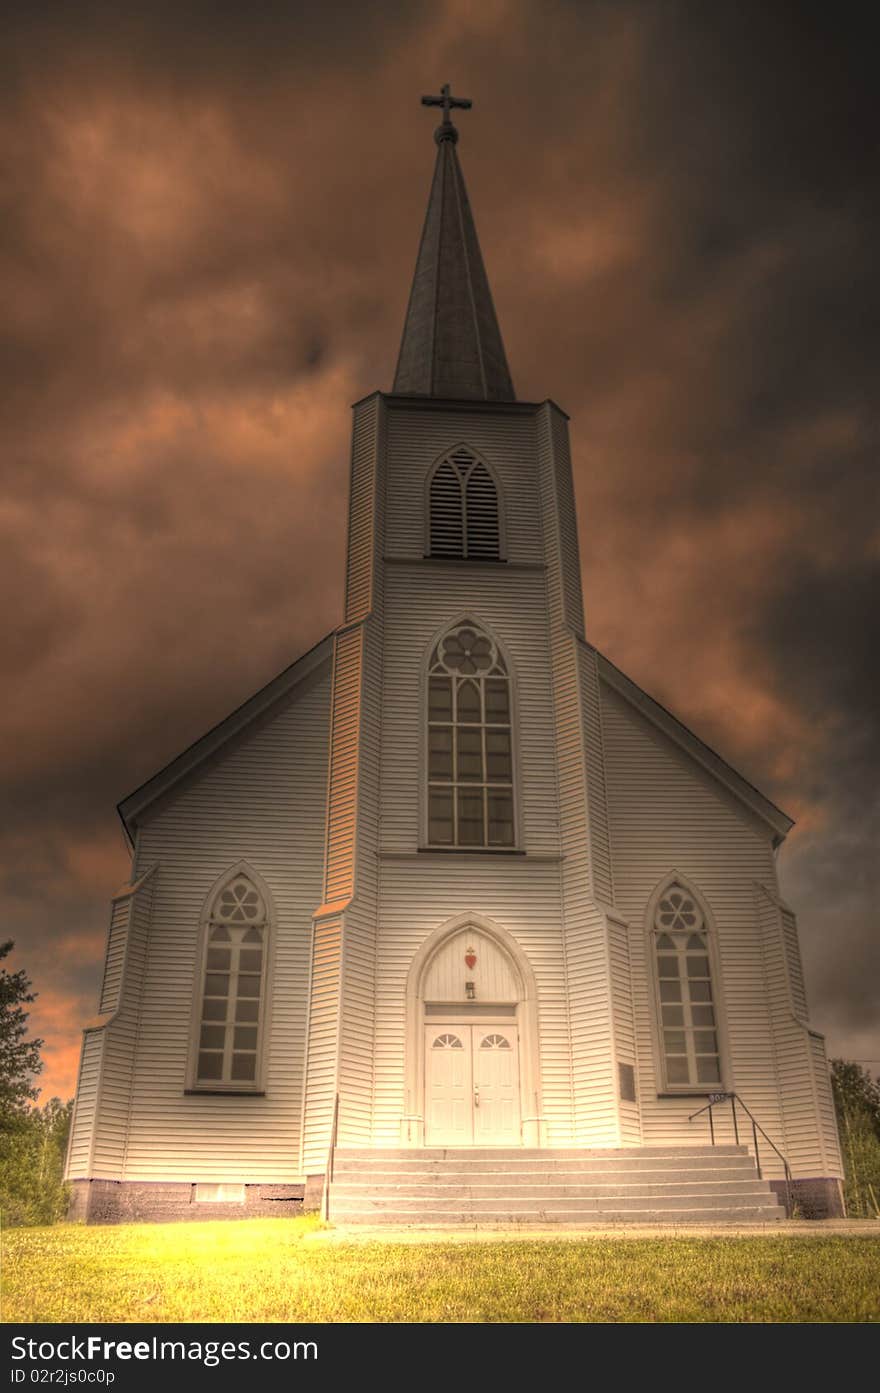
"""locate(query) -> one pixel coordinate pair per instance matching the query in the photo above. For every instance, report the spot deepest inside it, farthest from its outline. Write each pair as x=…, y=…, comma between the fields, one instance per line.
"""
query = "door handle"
x=476, y=1097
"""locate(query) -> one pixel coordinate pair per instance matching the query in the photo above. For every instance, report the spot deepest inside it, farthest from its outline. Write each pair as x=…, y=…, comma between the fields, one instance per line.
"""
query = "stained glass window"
x=233, y=987
x=688, y=1024
x=470, y=748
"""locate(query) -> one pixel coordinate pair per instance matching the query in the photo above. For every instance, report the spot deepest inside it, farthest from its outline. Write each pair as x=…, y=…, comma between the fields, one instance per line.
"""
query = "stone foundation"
x=163, y=1201
x=820, y=1198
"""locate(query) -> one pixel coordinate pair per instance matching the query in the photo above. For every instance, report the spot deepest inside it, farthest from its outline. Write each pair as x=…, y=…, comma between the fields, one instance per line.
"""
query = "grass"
x=272, y=1270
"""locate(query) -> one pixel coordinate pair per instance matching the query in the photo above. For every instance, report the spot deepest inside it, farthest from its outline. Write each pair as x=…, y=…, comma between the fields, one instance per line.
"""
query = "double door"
x=471, y=1085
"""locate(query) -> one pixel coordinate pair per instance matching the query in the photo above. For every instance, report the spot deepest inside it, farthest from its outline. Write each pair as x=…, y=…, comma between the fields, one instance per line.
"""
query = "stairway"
x=437, y=1187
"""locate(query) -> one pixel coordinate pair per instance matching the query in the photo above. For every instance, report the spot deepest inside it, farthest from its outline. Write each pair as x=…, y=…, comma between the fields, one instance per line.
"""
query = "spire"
x=451, y=344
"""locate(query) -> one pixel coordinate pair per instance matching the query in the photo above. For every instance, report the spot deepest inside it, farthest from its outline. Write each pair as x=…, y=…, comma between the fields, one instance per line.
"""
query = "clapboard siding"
x=79, y=1152
x=560, y=518
x=829, y=1139
x=624, y=1024
x=793, y=963
x=260, y=803
x=344, y=754
x=115, y=956
x=120, y=1041
x=364, y=522
x=810, y=1145
x=666, y=815
x=100, y=1125
x=417, y=438
x=323, y=1043
x=359, y=928
x=594, y=756
x=593, y=1086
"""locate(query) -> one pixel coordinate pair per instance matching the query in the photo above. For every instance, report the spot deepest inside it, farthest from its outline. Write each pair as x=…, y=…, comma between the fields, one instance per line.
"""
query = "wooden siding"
x=115, y=955
x=261, y=803
x=364, y=520
x=829, y=1139
x=491, y=974
x=594, y=757
x=343, y=777
x=669, y=815
x=793, y=963
x=356, y=1062
x=79, y=1151
x=593, y=1084
x=416, y=438
x=120, y=1044
x=323, y=1043
x=104, y=1091
x=341, y=1051
x=810, y=1143
x=624, y=1024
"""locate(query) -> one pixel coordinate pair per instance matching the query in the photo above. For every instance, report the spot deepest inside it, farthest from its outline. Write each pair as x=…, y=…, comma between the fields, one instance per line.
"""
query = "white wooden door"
x=496, y=1086
x=471, y=1086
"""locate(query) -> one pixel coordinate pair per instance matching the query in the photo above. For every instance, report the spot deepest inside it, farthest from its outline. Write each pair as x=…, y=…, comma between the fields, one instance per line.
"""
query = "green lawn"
x=276, y=1270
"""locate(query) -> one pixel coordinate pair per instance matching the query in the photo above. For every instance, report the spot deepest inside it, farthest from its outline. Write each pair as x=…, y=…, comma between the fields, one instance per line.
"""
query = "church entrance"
x=472, y=1084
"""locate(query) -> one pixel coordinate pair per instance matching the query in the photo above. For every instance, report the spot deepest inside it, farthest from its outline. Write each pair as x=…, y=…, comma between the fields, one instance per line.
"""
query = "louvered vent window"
x=470, y=755
x=233, y=989
x=688, y=1023
x=464, y=509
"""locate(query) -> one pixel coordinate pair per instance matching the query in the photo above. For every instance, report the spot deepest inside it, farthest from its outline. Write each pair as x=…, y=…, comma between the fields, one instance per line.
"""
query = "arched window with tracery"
x=231, y=1011
x=470, y=742
x=687, y=1002
x=464, y=509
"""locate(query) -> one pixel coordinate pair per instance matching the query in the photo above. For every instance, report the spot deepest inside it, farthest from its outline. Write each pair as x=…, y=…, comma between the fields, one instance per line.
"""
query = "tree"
x=19, y=1057
x=32, y=1153
x=857, y=1102
x=33, y=1141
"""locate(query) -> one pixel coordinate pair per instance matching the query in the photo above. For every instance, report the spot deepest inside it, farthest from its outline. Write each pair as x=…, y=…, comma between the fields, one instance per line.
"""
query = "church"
x=451, y=922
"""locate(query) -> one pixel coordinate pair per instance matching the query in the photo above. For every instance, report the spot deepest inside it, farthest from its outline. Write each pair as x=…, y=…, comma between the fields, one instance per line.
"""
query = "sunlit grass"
x=286, y=1270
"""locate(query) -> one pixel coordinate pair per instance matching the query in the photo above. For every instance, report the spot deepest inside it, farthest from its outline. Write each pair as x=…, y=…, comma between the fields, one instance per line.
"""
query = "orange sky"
x=212, y=220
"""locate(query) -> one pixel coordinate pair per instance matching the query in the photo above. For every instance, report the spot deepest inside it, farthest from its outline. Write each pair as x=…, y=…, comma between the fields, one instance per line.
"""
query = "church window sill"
x=692, y=1092
x=471, y=850
x=224, y=1092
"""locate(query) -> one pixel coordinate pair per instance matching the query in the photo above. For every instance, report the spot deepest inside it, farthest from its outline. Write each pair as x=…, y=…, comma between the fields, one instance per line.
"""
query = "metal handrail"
x=733, y=1099
x=328, y=1177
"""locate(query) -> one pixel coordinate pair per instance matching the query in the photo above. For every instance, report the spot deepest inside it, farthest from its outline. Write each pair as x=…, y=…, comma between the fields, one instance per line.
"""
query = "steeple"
x=451, y=344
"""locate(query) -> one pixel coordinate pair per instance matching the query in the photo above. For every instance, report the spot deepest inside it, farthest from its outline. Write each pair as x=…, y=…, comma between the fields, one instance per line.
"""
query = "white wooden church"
x=452, y=921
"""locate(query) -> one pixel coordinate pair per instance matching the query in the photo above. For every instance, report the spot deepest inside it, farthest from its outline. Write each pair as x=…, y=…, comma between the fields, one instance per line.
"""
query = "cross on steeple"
x=447, y=131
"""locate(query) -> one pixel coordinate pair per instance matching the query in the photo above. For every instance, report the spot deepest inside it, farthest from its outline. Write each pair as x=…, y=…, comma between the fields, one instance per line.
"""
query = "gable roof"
x=779, y=822
x=132, y=808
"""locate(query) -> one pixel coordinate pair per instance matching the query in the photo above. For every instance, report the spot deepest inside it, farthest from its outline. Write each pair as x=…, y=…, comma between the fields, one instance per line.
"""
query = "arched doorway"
x=472, y=1071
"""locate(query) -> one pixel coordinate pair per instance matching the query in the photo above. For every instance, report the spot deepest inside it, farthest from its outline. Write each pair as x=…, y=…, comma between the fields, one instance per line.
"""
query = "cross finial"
x=447, y=131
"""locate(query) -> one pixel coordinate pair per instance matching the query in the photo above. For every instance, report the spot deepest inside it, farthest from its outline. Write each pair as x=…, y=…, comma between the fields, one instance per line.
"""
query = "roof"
x=261, y=703
x=451, y=345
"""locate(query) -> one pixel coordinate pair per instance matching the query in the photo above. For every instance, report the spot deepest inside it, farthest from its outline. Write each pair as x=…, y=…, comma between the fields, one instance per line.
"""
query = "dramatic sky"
x=211, y=217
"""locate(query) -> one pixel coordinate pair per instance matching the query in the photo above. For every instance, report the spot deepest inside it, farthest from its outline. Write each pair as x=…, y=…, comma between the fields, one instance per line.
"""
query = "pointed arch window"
x=686, y=995
x=470, y=743
x=464, y=509
x=232, y=996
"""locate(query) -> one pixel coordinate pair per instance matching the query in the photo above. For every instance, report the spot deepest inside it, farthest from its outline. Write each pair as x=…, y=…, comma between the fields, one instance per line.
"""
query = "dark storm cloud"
x=211, y=218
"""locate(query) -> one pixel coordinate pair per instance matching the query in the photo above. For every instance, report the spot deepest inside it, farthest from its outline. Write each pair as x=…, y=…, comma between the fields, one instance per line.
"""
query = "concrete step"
x=535, y=1162
x=515, y=1153
x=536, y=1192
x=434, y=1219
x=529, y=1204
x=481, y=1186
